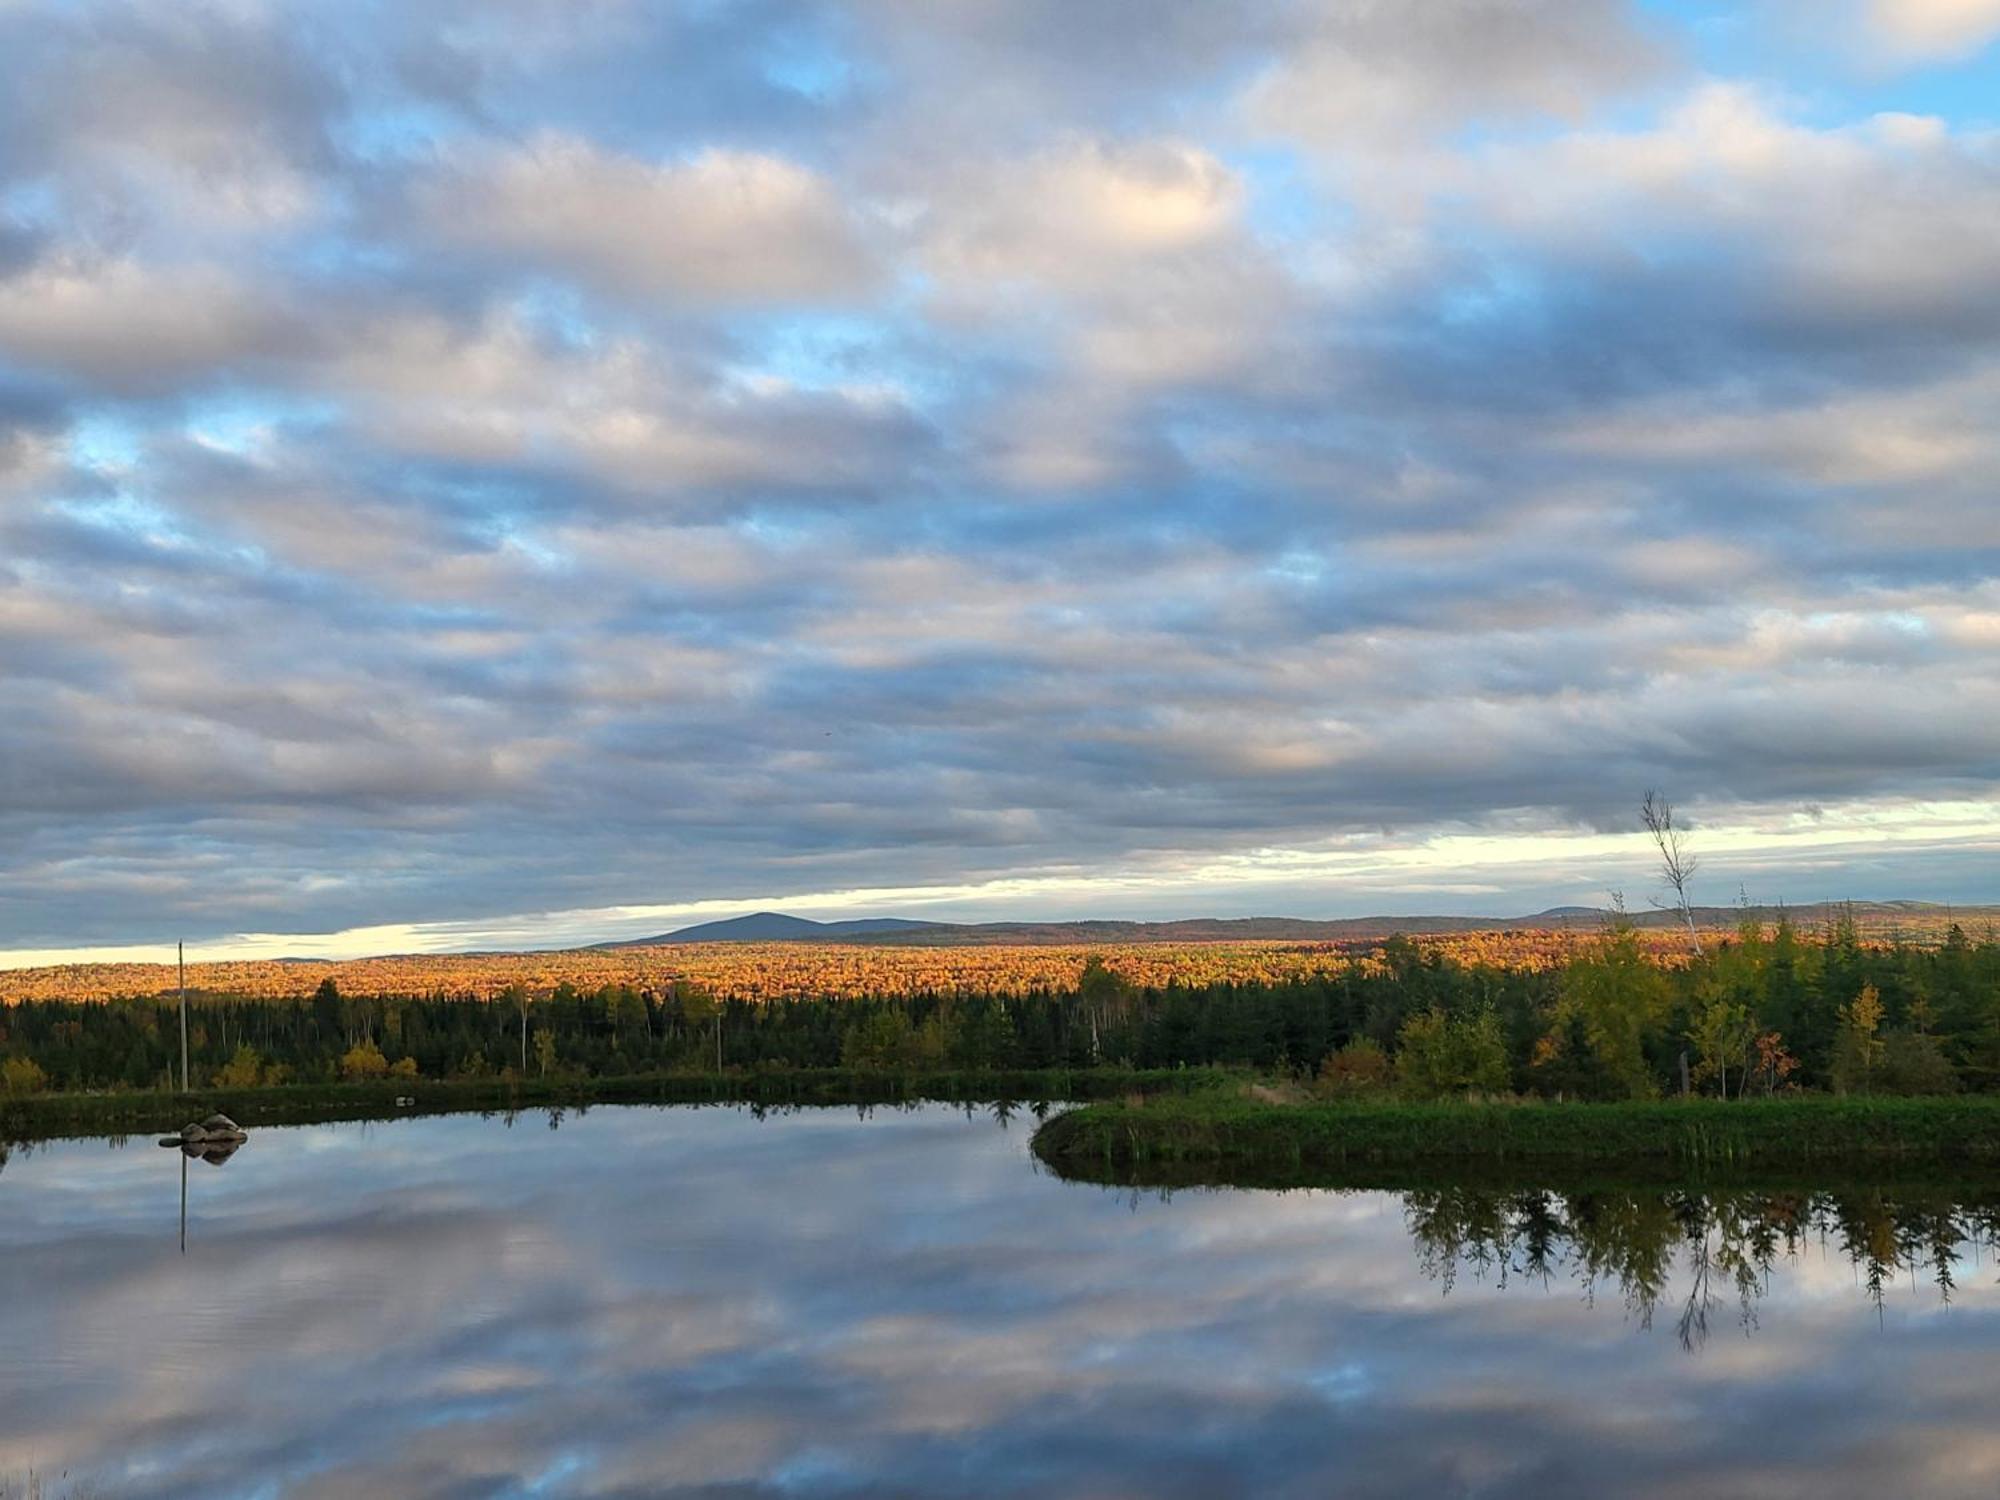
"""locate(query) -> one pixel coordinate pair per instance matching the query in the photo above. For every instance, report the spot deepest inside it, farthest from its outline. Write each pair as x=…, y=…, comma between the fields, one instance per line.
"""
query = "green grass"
x=1219, y=1136
x=45, y=1116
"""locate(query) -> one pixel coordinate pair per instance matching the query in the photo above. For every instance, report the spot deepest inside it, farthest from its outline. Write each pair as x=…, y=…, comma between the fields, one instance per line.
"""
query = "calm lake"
x=696, y=1301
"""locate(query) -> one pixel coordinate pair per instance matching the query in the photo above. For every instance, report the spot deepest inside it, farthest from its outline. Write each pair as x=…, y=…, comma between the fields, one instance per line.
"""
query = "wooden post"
x=180, y=956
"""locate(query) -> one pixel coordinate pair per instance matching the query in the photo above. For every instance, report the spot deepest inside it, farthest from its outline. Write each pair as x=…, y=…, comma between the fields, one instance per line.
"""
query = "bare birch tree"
x=1677, y=861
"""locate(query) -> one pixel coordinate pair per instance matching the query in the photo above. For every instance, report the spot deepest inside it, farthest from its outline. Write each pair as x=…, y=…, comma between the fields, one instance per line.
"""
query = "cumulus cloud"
x=188, y=121
x=1935, y=28
x=1886, y=221
x=616, y=416
x=723, y=225
x=1081, y=214
x=1361, y=73
x=123, y=326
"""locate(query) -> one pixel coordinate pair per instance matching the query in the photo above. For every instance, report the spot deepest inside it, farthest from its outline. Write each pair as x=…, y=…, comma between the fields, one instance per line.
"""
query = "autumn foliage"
x=779, y=971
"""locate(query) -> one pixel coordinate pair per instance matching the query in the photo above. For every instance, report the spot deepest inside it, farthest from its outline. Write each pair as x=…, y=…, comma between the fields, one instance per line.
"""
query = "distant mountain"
x=1189, y=930
x=1880, y=917
x=774, y=927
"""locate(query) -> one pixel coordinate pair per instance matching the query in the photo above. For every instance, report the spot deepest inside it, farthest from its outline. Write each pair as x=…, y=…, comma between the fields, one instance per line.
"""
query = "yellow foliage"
x=243, y=1071
x=23, y=1075
x=774, y=971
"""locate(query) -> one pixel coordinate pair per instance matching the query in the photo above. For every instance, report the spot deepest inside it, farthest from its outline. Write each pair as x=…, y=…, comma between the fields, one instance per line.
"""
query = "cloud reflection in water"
x=696, y=1302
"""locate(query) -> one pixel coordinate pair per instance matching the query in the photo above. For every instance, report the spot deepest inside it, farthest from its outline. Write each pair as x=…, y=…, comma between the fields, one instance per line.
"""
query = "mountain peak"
x=772, y=927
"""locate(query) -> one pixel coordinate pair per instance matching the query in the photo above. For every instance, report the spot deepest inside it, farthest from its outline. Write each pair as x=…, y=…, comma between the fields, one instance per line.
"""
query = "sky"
x=505, y=472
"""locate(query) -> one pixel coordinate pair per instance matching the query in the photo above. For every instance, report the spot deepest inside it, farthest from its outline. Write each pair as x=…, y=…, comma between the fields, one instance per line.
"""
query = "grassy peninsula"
x=1225, y=1134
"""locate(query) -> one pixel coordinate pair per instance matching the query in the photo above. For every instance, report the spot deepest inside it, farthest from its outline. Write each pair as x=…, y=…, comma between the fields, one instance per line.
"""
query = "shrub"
x=243, y=1071
x=1913, y=1063
x=1438, y=1056
x=364, y=1060
x=1358, y=1070
x=23, y=1075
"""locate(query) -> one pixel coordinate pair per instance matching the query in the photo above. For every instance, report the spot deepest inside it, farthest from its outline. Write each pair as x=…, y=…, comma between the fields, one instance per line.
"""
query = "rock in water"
x=216, y=1129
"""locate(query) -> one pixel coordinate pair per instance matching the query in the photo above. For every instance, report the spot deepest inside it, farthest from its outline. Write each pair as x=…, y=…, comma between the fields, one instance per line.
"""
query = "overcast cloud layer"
x=470, y=459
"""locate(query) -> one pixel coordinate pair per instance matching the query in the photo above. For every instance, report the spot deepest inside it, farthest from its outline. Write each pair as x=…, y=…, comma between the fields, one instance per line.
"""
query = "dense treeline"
x=1771, y=1010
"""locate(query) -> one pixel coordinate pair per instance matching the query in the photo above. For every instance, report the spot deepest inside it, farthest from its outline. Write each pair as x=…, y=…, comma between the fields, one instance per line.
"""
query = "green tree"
x=1913, y=1063
x=1621, y=997
x=982, y=1038
x=1858, y=1046
x=1105, y=996
x=1439, y=1055
x=701, y=1014
x=931, y=1047
x=326, y=1011
x=629, y=1013
x=880, y=1042
x=1722, y=1033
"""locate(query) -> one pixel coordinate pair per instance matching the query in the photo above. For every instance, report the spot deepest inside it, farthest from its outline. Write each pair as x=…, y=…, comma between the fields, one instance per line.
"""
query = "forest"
x=1765, y=1010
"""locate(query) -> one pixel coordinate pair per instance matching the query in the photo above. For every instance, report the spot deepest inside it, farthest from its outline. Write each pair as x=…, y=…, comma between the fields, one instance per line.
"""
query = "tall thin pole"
x=180, y=953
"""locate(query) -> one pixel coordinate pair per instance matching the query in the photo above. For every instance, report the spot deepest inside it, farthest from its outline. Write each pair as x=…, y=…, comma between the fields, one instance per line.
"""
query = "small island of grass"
x=1264, y=1134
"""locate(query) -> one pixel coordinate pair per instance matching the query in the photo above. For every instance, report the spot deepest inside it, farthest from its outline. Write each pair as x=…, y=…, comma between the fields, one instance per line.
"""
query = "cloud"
x=1360, y=74
x=1769, y=207
x=615, y=420
x=1935, y=28
x=1927, y=435
x=721, y=226
x=1081, y=215
x=201, y=120
x=124, y=327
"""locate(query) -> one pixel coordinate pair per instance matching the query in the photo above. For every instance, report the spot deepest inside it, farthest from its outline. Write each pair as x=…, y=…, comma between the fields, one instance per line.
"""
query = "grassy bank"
x=1221, y=1136
x=46, y=1116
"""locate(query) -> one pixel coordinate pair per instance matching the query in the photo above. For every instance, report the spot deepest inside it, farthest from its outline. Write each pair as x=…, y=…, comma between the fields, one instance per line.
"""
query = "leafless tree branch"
x=1677, y=861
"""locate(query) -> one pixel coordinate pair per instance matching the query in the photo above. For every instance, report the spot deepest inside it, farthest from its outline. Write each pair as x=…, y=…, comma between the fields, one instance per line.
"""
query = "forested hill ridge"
x=997, y=959
x=1887, y=919
x=1613, y=1014
x=778, y=927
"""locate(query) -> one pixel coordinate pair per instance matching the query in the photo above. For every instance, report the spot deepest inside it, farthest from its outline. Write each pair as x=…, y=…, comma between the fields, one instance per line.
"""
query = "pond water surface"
x=701, y=1302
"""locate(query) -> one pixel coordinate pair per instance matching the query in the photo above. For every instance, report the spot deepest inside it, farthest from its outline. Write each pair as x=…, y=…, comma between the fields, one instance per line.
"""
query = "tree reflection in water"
x=1727, y=1240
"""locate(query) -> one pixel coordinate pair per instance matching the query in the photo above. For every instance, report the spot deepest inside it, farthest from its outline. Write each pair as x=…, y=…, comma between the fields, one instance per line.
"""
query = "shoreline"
x=1217, y=1137
x=53, y=1116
